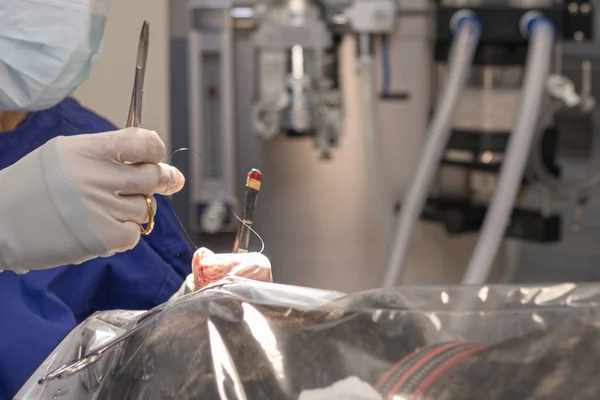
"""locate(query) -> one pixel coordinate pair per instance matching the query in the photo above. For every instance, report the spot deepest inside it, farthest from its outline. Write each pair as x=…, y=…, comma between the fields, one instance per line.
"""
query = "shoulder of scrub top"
x=67, y=118
x=74, y=115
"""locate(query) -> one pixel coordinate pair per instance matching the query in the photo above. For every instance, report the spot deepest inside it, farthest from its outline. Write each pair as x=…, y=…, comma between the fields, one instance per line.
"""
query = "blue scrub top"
x=38, y=309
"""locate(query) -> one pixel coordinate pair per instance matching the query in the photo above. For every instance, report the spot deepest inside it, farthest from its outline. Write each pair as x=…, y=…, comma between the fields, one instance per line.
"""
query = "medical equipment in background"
x=540, y=31
x=563, y=96
x=297, y=85
x=211, y=122
x=480, y=133
x=467, y=30
x=296, y=93
x=368, y=19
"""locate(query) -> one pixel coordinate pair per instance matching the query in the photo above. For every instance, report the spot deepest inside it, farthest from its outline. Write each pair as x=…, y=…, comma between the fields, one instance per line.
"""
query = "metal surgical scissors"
x=134, y=118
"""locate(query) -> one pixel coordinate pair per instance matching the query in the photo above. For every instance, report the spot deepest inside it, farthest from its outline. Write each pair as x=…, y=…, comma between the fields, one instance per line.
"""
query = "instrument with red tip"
x=242, y=239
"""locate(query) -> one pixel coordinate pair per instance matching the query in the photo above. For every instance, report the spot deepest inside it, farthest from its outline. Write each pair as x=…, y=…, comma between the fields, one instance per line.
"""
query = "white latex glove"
x=75, y=199
x=208, y=267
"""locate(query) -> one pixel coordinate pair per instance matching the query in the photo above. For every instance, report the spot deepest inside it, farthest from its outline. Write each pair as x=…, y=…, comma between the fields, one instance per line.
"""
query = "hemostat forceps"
x=134, y=118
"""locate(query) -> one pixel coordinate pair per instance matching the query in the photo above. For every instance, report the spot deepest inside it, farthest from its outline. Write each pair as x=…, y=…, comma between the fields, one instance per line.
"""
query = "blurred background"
x=222, y=74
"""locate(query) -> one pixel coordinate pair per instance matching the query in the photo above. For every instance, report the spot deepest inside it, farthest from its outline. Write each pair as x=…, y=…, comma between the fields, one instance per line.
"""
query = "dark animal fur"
x=560, y=364
x=179, y=358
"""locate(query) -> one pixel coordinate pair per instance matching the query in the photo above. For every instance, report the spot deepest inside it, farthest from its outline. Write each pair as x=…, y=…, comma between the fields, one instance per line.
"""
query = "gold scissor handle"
x=150, y=226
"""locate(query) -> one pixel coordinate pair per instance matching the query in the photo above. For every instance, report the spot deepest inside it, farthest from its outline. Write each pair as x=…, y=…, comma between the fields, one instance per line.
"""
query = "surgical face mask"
x=47, y=48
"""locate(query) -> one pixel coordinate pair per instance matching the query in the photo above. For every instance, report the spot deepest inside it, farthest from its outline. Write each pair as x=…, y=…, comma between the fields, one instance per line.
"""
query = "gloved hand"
x=75, y=199
x=208, y=267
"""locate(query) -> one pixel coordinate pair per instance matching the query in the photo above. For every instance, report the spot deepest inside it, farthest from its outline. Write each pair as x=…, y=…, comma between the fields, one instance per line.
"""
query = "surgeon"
x=66, y=195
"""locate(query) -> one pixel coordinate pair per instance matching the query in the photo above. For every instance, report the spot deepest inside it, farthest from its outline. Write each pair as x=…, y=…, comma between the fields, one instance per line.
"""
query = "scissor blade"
x=134, y=118
x=142, y=55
